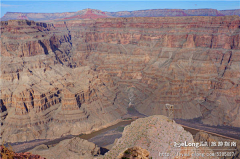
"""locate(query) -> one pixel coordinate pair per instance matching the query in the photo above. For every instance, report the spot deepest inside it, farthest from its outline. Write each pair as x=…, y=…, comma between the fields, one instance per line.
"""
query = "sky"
x=52, y=6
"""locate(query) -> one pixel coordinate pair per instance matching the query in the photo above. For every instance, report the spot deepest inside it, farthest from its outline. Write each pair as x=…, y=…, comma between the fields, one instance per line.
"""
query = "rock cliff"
x=190, y=62
x=43, y=94
x=74, y=77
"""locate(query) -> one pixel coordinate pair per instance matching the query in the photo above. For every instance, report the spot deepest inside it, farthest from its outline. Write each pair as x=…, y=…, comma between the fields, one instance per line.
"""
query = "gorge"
x=69, y=77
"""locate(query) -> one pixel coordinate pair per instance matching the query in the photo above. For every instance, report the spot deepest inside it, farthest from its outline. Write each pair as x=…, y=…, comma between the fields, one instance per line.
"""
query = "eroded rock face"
x=70, y=148
x=189, y=62
x=44, y=95
x=76, y=76
x=156, y=134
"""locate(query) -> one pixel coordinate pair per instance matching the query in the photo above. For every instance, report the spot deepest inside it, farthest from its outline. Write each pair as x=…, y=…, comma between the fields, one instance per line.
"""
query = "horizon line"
x=124, y=10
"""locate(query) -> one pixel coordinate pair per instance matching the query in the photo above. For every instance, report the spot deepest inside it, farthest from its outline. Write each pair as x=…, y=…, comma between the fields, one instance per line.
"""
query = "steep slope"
x=41, y=94
x=189, y=62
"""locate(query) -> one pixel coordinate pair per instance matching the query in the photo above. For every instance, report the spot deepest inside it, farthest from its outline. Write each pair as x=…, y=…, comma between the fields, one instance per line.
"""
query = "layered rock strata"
x=42, y=94
x=189, y=62
x=76, y=76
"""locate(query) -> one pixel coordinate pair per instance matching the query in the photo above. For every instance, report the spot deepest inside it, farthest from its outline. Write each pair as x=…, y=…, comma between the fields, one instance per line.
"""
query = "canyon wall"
x=73, y=77
x=43, y=93
x=190, y=62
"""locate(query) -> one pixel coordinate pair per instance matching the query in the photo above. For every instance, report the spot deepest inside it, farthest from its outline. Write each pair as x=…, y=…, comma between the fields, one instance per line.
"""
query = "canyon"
x=69, y=77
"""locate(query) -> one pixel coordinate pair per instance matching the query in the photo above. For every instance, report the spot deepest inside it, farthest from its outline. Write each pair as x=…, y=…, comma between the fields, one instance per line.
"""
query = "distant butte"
x=89, y=14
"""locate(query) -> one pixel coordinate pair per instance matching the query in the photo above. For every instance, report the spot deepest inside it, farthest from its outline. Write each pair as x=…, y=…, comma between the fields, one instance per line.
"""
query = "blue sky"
x=110, y=5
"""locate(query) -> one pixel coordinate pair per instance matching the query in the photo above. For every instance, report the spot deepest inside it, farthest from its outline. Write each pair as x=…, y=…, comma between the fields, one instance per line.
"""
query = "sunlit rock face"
x=160, y=136
x=43, y=93
x=76, y=76
x=189, y=62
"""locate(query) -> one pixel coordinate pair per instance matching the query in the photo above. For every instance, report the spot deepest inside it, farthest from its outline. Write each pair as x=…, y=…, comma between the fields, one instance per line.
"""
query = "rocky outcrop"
x=6, y=153
x=70, y=148
x=158, y=135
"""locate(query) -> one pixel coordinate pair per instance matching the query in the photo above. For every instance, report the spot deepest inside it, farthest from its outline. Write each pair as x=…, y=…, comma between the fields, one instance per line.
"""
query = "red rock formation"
x=80, y=75
x=190, y=52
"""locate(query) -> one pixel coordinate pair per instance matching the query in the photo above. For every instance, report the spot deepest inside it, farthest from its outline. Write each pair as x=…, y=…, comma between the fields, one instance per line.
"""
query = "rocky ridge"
x=94, y=14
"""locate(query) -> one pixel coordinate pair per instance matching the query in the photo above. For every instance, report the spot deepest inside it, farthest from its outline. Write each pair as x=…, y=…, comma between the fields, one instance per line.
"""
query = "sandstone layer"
x=43, y=95
x=191, y=63
x=74, y=77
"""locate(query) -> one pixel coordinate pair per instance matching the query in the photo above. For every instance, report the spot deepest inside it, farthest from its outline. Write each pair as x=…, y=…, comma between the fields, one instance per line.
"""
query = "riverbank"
x=26, y=146
x=100, y=132
x=105, y=135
